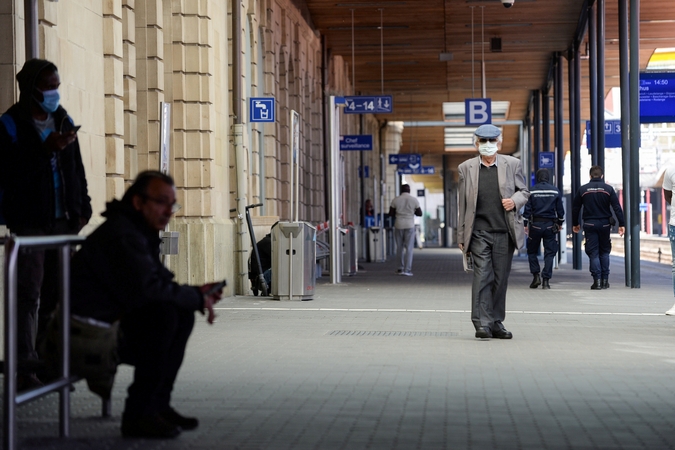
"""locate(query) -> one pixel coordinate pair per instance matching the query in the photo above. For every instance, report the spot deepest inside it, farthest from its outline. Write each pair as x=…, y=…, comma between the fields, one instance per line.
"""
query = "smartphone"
x=216, y=287
x=76, y=128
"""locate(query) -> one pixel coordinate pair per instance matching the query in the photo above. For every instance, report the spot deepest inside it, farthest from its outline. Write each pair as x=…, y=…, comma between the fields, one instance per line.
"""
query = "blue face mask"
x=51, y=100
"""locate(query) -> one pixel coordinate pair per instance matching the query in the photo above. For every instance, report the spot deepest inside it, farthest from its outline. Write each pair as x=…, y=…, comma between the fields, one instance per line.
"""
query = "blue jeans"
x=671, y=235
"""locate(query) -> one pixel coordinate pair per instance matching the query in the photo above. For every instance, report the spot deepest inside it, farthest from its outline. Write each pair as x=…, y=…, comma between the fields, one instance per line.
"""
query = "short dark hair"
x=141, y=183
x=405, y=188
x=596, y=172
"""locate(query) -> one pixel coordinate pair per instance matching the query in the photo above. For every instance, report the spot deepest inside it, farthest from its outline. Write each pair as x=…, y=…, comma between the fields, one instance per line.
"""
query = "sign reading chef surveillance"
x=477, y=111
x=356, y=142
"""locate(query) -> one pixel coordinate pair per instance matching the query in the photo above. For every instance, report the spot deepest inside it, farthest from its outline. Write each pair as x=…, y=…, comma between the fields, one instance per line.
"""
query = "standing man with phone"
x=45, y=193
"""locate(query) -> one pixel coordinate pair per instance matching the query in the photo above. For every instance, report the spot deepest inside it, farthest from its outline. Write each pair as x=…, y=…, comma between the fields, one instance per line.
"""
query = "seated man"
x=118, y=275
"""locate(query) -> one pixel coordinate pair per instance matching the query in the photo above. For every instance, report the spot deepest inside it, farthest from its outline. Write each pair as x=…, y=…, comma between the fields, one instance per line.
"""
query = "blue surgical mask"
x=50, y=100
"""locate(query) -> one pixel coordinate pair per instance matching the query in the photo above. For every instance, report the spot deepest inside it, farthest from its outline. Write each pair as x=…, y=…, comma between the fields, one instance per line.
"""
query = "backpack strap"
x=10, y=126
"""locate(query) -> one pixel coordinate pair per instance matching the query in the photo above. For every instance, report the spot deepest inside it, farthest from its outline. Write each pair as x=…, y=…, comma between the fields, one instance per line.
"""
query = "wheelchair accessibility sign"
x=261, y=109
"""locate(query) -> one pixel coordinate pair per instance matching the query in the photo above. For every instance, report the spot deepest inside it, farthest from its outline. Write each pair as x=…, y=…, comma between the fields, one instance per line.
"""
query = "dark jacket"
x=597, y=197
x=545, y=202
x=26, y=170
x=118, y=269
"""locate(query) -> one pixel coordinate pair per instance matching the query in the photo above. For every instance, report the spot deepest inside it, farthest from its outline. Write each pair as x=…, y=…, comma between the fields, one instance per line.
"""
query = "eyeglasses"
x=485, y=140
x=175, y=207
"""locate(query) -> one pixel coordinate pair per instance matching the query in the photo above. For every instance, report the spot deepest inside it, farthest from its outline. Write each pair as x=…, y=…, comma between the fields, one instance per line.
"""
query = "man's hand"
x=621, y=231
x=56, y=142
x=210, y=300
x=461, y=247
x=576, y=228
x=527, y=229
x=508, y=204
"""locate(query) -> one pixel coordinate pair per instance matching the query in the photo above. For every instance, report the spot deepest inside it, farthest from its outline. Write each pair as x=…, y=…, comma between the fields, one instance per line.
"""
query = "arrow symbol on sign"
x=414, y=166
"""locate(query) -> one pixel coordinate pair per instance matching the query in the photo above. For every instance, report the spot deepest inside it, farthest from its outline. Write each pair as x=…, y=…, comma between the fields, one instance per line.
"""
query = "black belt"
x=542, y=219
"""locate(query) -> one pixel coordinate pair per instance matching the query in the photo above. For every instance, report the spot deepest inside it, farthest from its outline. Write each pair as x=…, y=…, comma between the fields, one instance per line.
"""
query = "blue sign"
x=423, y=170
x=477, y=111
x=644, y=207
x=420, y=192
x=612, y=134
x=546, y=160
x=378, y=104
x=405, y=158
x=261, y=109
x=657, y=97
x=356, y=142
x=367, y=172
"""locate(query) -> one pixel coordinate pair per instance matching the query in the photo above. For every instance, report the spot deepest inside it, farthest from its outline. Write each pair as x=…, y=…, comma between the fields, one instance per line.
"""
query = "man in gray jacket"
x=492, y=191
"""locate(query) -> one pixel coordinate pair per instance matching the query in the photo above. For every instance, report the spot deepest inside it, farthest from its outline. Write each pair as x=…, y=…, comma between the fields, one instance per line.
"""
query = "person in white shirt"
x=668, y=183
x=404, y=208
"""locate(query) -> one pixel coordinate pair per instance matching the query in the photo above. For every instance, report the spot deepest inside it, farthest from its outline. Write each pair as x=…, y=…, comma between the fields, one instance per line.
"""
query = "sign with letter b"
x=477, y=111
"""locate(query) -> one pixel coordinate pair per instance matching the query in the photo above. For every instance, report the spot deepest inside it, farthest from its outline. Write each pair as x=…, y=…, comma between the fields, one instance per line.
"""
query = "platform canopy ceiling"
x=431, y=53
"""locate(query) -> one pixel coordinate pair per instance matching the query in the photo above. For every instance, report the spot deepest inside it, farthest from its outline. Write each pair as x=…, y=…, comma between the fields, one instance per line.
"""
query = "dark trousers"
x=598, y=247
x=492, y=256
x=153, y=340
x=539, y=231
x=37, y=290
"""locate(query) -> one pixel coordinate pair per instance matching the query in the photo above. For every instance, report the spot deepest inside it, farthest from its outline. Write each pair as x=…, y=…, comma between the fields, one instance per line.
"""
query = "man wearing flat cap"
x=492, y=191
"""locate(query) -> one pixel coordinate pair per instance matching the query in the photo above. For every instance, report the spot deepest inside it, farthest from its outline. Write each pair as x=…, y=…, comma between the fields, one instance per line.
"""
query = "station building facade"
x=120, y=59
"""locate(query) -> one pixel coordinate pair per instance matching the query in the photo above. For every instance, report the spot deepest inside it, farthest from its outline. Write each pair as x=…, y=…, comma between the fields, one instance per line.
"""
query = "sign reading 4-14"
x=361, y=104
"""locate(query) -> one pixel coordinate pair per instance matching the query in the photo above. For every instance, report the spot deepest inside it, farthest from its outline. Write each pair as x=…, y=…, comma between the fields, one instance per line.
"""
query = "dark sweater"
x=489, y=210
x=118, y=269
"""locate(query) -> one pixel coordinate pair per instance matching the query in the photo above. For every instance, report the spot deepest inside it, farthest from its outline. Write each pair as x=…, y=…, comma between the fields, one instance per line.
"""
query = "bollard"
x=659, y=253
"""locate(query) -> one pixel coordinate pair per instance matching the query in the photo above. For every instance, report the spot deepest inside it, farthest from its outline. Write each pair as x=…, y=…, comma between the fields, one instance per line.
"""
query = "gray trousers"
x=37, y=288
x=405, y=240
x=492, y=257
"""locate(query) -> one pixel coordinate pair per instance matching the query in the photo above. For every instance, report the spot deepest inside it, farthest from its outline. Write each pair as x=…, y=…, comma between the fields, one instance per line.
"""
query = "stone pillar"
x=130, y=94
x=114, y=90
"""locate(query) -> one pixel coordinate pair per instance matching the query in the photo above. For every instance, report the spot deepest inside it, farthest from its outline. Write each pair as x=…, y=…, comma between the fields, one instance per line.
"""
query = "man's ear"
x=137, y=202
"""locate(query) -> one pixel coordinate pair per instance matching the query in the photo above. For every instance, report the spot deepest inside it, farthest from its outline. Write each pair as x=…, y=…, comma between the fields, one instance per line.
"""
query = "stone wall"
x=119, y=59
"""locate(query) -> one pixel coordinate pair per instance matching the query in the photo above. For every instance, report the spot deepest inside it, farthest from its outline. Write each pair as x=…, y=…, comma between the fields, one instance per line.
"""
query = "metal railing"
x=13, y=245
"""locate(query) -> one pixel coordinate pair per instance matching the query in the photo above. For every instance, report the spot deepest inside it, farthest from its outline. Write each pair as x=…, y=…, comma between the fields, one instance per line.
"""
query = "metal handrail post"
x=64, y=290
x=9, y=400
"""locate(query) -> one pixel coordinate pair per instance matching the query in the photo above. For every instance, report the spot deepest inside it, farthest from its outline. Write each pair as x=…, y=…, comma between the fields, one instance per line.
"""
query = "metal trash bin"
x=349, y=253
x=375, y=237
x=293, y=261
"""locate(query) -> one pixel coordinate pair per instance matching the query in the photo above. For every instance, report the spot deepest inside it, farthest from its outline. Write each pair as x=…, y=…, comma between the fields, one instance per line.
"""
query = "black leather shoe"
x=152, y=427
x=536, y=281
x=544, y=284
x=502, y=334
x=604, y=283
x=596, y=284
x=184, y=423
x=483, y=333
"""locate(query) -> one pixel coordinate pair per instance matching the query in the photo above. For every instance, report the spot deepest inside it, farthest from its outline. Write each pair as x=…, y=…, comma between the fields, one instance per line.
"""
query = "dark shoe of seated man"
x=151, y=426
x=182, y=422
x=544, y=284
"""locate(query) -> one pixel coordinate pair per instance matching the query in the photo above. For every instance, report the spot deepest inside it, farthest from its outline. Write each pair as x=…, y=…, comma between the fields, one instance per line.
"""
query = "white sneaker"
x=671, y=311
x=399, y=271
x=409, y=274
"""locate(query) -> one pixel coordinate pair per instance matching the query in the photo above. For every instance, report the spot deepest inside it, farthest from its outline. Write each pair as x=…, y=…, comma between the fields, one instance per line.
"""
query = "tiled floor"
x=389, y=362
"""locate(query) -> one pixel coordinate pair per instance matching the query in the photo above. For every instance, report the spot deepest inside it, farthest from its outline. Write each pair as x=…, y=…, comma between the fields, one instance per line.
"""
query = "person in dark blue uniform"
x=544, y=213
x=597, y=197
